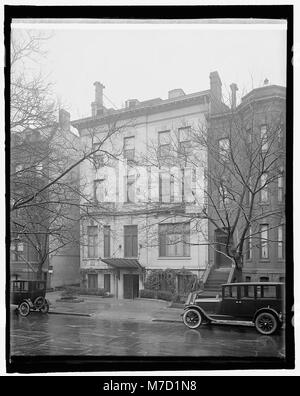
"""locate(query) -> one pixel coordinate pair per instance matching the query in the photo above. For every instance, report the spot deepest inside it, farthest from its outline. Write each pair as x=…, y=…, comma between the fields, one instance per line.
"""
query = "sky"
x=144, y=61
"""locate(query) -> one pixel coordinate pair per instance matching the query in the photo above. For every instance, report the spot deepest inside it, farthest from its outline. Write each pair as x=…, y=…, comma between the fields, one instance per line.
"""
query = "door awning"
x=123, y=263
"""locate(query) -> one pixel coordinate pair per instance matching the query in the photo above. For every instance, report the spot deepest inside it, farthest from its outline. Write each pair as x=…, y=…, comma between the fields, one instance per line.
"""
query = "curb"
x=68, y=313
x=167, y=320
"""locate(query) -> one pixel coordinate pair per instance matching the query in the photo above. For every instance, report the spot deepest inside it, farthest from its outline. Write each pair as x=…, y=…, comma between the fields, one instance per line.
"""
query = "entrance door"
x=93, y=281
x=220, y=259
x=131, y=285
x=107, y=283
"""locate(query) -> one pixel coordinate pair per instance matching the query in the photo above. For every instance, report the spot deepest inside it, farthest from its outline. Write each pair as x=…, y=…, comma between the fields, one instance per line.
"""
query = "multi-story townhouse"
x=142, y=200
x=36, y=249
x=253, y=133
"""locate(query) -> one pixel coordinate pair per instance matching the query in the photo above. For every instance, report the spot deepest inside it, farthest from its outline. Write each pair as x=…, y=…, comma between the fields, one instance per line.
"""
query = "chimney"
x=64, y=120
x=97, y=105
x=175, y=93
x=215, y=92
x=233, y=88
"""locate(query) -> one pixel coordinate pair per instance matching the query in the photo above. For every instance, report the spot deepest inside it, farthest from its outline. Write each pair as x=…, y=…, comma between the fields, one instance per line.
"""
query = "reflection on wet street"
x=72, y=335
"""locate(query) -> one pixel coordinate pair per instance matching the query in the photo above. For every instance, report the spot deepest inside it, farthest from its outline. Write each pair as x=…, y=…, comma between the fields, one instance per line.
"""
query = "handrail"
x=206, y=273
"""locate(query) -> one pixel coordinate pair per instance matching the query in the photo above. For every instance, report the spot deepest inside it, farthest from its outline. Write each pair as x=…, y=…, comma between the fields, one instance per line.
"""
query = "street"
x=53, y=334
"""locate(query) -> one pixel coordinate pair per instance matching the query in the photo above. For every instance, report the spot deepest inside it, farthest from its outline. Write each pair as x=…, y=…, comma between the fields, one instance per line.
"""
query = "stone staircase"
x=216, y=278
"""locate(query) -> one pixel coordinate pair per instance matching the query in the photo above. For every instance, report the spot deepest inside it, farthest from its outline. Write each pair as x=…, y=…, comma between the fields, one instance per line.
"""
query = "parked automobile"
x=29, y=295
x=261, y=304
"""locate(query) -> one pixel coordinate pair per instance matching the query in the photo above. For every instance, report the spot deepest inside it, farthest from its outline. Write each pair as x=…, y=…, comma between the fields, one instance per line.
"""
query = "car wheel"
x=266, y=323
x=24, y=308
x=45, y=307
x=39, y=302
x=192, y=318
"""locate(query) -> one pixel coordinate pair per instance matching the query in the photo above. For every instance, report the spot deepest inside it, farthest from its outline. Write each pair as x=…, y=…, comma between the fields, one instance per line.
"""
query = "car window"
x=247, y=291
x=230, y=292
x=269, y=291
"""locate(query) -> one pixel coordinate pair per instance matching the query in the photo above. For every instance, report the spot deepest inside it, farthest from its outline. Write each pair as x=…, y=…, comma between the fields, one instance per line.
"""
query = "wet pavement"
x=118, y=328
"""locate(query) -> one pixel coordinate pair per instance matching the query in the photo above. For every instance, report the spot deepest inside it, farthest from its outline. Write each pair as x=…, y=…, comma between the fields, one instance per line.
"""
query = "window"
x=231, y=292
x=264, y=192
x=264, y=138
x=280, y=185
x=130, y=186
x=106, y=238
x=98, y=158
x=19, y=169
x=129, y=150
x=249, y=135
x=164, y=144
x=248, y=192
x=224, y=149
x=264, y=243
x=223, y=195
x=247, y=292
x=280, y=135
x=249, y=245
x=99, y=190
x=174, y=240
x=185, y=140
x=166, y=187
x=92, y=241
x=17, y=250
x=248, y=279
x=280, y=250
x=130, y=241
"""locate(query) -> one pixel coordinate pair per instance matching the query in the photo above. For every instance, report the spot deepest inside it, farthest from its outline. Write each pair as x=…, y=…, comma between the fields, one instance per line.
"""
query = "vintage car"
x=261, y=304
x=29, y=295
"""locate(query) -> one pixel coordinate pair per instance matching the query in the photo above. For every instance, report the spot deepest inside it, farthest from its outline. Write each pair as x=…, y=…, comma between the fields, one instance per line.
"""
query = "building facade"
x=144, y=196
x=252, y=137
x=37, y=250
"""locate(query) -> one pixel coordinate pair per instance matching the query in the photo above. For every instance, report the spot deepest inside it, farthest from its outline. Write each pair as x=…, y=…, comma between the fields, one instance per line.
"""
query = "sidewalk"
x=113, y=309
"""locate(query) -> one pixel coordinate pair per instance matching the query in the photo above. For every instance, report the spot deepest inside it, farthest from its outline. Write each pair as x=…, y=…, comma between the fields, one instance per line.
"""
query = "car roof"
x=252, y=283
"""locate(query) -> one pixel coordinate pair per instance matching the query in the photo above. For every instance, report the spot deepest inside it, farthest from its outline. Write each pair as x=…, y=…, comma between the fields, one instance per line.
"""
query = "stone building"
x=35, y=250
x=250, y=136
x=144, y=197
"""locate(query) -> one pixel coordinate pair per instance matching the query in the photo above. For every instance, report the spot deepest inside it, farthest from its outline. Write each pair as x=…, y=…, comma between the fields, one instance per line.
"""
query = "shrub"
x=146, y=293
x=71, y=291
x=164, y=295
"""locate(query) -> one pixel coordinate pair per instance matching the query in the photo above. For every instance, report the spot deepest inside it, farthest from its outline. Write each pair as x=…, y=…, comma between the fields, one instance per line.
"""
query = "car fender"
x=201, y=310
x=266, y=309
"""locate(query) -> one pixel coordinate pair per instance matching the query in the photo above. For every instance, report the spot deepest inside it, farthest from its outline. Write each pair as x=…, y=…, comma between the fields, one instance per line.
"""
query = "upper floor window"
x=280, y=185
x=106, y=244
x=280, y=134
x=280, y=250
x=174, y=240
x=185, y=140
x=19, y=169
x=264, y=241
x=130, y=186
x=17, y=250
x=129, y=148
x=249, y=135
x=224, y=149
x=131, y=241
x=164, y=143
x=98, y=157
x=249, y=245
x=264, y=138
x=264, y=192
x=92, y=241
x=99, y=190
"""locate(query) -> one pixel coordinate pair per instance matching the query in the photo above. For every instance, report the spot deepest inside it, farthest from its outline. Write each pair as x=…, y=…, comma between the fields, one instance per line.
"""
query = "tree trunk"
x=238, y=274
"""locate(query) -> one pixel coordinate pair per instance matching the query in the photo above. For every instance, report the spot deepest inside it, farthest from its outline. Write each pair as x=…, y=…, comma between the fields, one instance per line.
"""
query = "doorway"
x=107, y=283
x=221, y=260
x=131, y=285
x=93, y=281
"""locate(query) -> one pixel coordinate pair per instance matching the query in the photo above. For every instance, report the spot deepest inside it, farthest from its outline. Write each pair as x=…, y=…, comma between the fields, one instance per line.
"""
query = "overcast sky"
x=145, y=62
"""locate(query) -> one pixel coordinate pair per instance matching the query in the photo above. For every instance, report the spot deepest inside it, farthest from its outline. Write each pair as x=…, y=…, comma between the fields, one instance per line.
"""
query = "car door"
x=247, y=303
x=230, y=301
